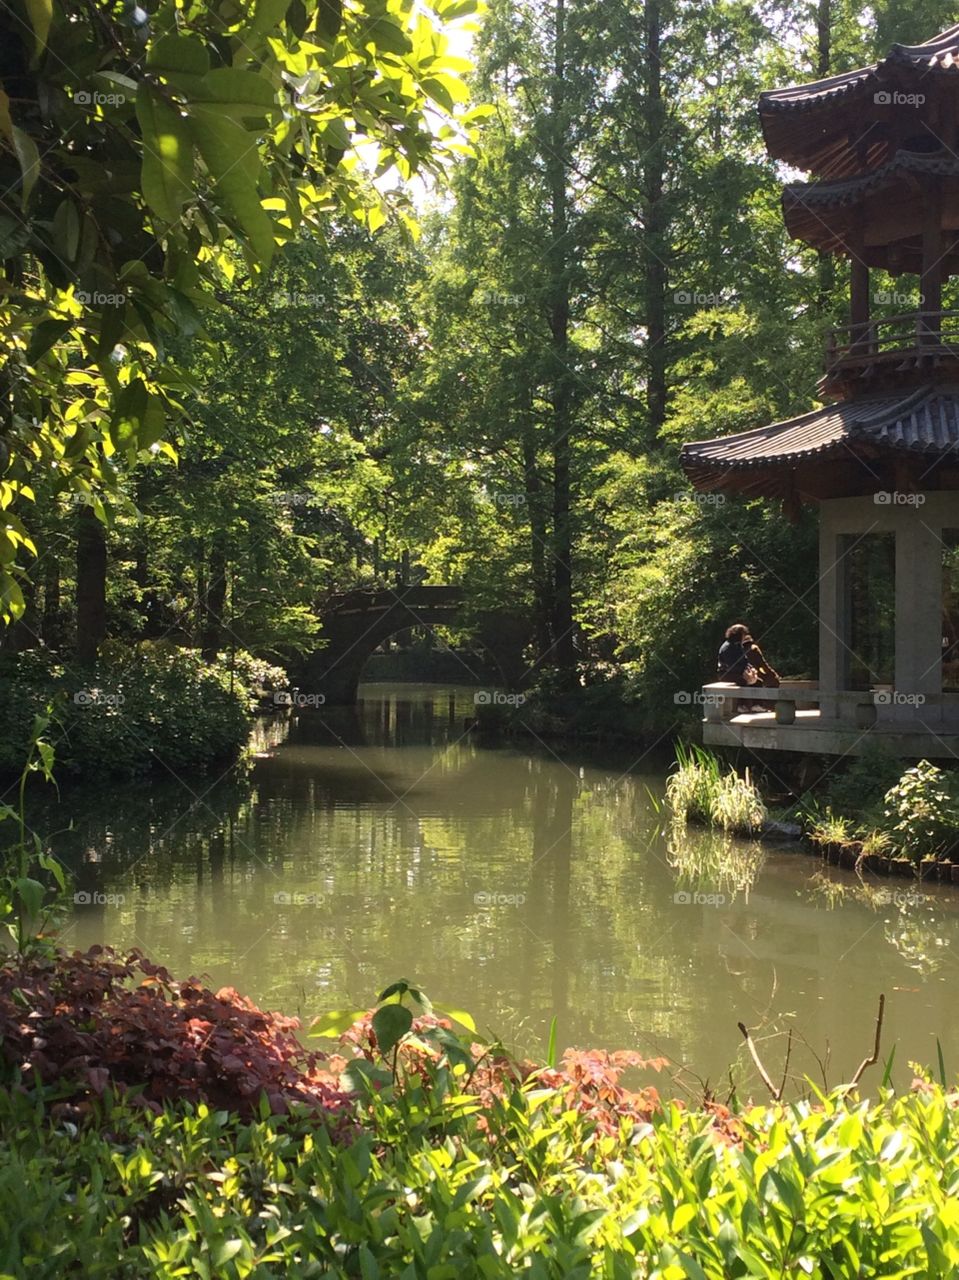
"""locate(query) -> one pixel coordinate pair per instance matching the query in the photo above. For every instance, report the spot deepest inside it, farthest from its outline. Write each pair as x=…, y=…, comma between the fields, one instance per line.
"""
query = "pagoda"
x=881, y=458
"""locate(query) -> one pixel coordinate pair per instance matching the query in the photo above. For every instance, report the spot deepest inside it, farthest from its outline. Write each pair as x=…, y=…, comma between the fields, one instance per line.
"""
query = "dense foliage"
x=137, y=708
x=139, y=149
x=521, y=1187
x=86, y=1023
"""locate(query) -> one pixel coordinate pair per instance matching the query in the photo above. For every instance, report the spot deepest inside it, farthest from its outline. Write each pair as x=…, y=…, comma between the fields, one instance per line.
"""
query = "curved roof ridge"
x=940, y=53
x=942, y=161
x=924, y=420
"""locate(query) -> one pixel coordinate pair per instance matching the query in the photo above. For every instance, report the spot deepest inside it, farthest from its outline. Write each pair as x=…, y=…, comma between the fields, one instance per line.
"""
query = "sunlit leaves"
x=167, y=154
x=163, y=140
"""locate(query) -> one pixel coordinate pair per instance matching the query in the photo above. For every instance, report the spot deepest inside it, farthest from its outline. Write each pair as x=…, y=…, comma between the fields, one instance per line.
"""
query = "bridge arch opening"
x=358, y=623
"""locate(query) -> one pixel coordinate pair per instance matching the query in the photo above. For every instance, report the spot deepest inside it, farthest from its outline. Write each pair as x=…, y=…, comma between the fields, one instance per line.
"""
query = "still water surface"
x=518, y=882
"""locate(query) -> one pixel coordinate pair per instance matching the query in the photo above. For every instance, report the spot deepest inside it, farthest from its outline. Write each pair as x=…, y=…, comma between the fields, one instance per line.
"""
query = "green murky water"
x=516, y=882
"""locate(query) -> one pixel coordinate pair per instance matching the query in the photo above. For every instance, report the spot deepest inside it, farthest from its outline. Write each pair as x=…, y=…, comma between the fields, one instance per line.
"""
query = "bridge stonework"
x=357, y=622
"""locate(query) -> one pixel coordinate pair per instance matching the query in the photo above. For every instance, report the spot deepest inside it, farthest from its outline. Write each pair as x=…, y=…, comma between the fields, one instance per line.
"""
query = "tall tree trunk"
x=654, y=240
x=214, y=603
x=91, y=599
x=538, y=535
x=51, y=624
x=563, y=650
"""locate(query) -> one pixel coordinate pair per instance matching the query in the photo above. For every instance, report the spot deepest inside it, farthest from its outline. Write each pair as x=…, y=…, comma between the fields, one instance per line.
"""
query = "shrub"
x=833, y=1189
x=92, y=1021
x=922, y=812
x=136, y=706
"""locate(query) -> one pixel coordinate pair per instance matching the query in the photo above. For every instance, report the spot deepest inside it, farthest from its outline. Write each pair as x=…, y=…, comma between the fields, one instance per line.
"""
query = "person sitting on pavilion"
x=743, y=662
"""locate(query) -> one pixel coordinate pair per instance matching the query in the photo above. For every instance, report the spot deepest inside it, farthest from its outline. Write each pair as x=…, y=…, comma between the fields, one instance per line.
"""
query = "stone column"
x=918, y=612
x=832, y=663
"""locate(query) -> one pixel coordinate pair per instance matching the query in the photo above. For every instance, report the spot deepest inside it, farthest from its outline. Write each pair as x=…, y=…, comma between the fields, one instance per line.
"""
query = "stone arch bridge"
x=355, y=623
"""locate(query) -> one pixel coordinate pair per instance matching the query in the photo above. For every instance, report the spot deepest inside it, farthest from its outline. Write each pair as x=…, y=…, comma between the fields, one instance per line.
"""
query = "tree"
x=136, y=148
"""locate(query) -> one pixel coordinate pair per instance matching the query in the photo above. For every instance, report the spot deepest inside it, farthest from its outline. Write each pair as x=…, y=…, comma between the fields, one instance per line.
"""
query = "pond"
x=518, y=881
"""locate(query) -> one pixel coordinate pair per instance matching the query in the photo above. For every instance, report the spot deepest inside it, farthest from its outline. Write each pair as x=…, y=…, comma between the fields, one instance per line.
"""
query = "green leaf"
x=390, y=1023
x=30, y=893
x=268, y=14
x=66, y=230
x=398, y=988
x=234, y=163
x=130, y=412
x=335, y=1022
x=44, y=336
x=227, y=1250
x=359, y=1076
x=167, y=155
x=240, y=94
x=28, y=159
x=439, y=93
x=387, y=37
x=179, y=53
x=329, y=17
x=551, y=1046
x=458, y=1015
x=40, y=13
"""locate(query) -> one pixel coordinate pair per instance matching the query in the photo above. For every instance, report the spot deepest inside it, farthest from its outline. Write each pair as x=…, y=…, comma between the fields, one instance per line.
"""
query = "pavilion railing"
x=886, y=336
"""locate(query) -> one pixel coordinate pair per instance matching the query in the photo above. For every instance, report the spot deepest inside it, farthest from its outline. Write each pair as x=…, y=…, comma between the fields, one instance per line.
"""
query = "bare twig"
x=869, y=1062
x=776, y=1093
x=789, y=1049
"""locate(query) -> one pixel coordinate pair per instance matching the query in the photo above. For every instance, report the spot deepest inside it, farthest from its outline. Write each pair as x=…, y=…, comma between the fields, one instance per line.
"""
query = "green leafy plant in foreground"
x=830, y=1188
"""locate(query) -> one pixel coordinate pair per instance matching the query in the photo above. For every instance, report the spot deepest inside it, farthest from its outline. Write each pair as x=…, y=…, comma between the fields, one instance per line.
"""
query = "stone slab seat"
x=721, y=698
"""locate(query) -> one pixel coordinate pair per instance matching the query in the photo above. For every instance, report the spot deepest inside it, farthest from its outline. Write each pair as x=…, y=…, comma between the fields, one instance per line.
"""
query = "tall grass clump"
x=699, y=791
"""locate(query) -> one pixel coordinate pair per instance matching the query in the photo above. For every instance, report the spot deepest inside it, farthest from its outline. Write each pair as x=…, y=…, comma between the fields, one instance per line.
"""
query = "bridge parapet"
x=356, y=622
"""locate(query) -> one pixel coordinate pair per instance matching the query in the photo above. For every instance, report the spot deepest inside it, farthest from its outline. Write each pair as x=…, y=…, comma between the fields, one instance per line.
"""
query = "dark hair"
x=737, y=632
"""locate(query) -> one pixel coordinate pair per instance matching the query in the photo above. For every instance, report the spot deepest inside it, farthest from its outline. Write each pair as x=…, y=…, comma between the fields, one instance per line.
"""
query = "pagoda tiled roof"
x=941, y=53
x=924, y=422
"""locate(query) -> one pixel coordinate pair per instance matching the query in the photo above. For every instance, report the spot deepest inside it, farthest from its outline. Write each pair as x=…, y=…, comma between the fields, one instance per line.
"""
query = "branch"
x=869, y=1062
x=776, y=1093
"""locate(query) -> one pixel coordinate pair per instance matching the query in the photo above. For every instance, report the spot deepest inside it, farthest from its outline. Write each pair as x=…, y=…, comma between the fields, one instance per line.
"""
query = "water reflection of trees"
x=518, y=885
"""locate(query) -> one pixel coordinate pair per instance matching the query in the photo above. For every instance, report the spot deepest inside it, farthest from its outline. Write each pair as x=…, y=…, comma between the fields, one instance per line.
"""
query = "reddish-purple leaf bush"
x=90, y=1021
